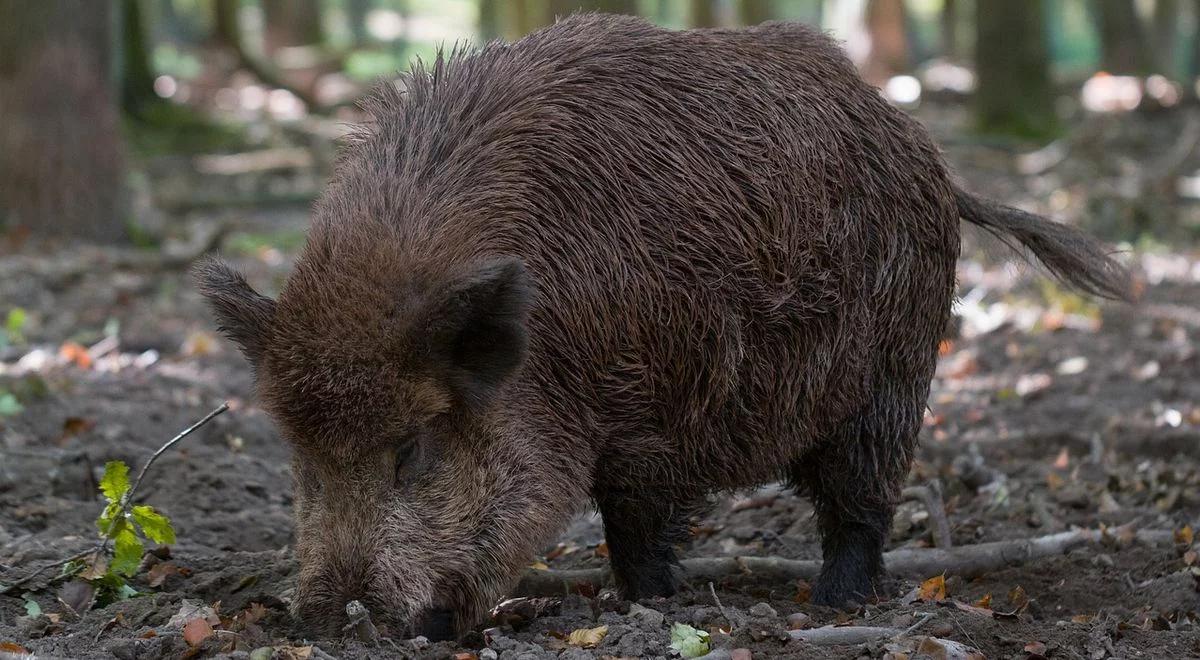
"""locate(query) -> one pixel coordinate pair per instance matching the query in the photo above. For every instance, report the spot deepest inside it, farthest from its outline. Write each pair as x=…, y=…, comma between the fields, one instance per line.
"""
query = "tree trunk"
x=227, y=28
x=1014, y=96
x=610, y=6
x=137, y=77
x=1166, y=37
x=1123, y=45
x=61, y=172
x=288, y=23
x=949, y=30
x=889, y=40
x=356, y=20
x=753, y=12
x=703, y=14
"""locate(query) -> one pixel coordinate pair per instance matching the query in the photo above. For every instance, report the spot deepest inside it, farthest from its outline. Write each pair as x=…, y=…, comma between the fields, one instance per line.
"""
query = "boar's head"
x=415, y=490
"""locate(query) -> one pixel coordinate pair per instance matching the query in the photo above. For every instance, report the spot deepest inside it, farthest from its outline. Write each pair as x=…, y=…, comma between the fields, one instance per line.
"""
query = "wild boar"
x=618, y=265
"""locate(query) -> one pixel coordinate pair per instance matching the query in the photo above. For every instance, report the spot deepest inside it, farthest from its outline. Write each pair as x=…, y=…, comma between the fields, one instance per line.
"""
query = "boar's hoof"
x=437, y=625
x=843, y=591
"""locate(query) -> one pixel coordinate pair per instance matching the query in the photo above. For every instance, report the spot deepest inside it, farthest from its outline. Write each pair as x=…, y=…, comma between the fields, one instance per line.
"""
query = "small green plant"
x=125, y=525
x=689, y=642
x=14, y=327
x=9, y=406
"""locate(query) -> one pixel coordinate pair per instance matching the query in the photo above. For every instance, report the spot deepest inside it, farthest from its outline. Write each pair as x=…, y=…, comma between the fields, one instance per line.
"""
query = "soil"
x=1048, y=412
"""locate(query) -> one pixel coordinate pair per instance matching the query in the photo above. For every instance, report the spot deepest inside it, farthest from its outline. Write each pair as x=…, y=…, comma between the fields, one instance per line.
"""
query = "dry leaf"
x=292, y=653
x=985, y=602
x=1036, y=649
x=946, y=649
x=77, y=596
x=13, y=647
x=1189, y=558
x=1053, y=481
x=196, y=631
x=160, y=572
x=933, y=589
x=539, y=566
x=465, y=656
x=803, y=592
x=75, y=354
x=981, y=611
x=1083, y=618
x=587, y=637
x=602, y=550
x=1184, y=535
x=73, y=426
x=1018, y=597
x=1063, y=461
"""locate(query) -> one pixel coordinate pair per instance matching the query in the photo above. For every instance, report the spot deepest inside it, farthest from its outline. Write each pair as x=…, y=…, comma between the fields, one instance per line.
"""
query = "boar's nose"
x=437, y=625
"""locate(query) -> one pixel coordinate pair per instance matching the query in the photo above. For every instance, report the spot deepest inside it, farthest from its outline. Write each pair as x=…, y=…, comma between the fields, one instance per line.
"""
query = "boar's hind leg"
x=854, y=478
x=641, y=530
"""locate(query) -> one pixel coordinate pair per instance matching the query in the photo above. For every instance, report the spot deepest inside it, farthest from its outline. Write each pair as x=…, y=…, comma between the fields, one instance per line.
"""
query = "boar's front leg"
x=854, y=479
x=642, y=529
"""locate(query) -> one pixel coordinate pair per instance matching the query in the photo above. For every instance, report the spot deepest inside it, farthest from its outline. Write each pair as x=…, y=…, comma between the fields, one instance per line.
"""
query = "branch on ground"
x=966, y=561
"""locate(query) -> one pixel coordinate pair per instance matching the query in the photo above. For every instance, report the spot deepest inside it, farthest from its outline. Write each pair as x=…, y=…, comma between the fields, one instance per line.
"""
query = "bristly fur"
x=617, y=264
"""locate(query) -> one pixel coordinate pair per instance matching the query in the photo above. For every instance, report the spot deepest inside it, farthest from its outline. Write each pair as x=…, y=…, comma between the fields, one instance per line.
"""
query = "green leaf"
x=127, y=553
x=115, y=482
x=32, y=608
x=9, y=405
x=14, y=324
x=688, y=641
x=154, y=525
x=105, y=522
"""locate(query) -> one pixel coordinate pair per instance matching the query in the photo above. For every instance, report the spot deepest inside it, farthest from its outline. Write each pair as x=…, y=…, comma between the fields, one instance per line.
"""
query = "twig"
x=844, y=635
x=125, y=502
x=931, y=496
x=43, y=568
x=909, y=630
x=127, y=499
x=733, y=624
x=967, y=561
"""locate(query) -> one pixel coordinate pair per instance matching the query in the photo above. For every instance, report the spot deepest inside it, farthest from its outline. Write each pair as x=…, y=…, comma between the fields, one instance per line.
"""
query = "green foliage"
x=689, y=642
x=9, y=406
x=14, y=325
x=32, y=608
x=126, y=527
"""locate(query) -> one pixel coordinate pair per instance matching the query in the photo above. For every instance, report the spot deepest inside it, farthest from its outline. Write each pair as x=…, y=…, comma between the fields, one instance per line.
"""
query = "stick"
x=931, y=496
x=844, y=635
x=126, y=500
x=967, y=561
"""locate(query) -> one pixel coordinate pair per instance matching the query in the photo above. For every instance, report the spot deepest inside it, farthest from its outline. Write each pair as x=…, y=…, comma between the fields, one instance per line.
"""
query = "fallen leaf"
x=78, y=596
x=190, y=610
x=689, y=642
x=465, y=656
x=73, y=353
x=1189, y=558
x=981, y=611
x=803, y=592
x=539, y=566
x=292, y=653
x=196, y=631
x=933, y=589
x=1184, y=535
x=946, y=649
x=985, y=602
x=1036, y=649
x=160, y=572
x=1063, y=461
x=73, y=426
x=602, y=550
x=1018, y=597
x=1083, y=618
x=13, y=647
x=587, y=637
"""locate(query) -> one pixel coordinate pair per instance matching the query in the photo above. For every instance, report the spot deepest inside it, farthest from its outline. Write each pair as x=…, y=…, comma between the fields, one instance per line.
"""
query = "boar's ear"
x=243, y=315
x=477, y=329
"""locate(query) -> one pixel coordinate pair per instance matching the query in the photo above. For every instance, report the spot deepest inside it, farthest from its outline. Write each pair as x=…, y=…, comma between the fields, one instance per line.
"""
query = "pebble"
x=941, y=629
x=488, y=654
x=574, y=653
x=646, y=618
x=763, y=611
x=740, y=654
x=798, y=621
x=633, y=644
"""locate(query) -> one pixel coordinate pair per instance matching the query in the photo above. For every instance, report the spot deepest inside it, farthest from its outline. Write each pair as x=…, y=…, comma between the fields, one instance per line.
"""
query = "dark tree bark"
x=1014, y=96
x=61, y=155
x=753, y=12
x=948, y=26
x=1166, y=40
x=288, y=23
x=137, y=76
x=1123, y=45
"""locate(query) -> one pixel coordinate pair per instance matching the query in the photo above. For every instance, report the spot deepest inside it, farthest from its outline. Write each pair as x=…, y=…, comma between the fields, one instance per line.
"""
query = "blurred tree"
x=609, y=6
x=227, y=28
x=356, y=20
x=1166, y=40
x=288, y=23
x=61, y=153
x=137, y=76
x=889, y=40
x=489, y=21
x=753, y=12
x=227, y=33
x=948, y=24
x=703, y=14
x=1014, y=94
x=1123, y=45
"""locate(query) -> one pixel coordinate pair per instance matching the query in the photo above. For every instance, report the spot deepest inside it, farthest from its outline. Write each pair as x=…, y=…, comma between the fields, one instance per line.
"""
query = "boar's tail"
x=1069, y=254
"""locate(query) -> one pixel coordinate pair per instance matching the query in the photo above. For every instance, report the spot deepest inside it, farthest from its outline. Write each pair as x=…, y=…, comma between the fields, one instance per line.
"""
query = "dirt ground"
x=1049, y=412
